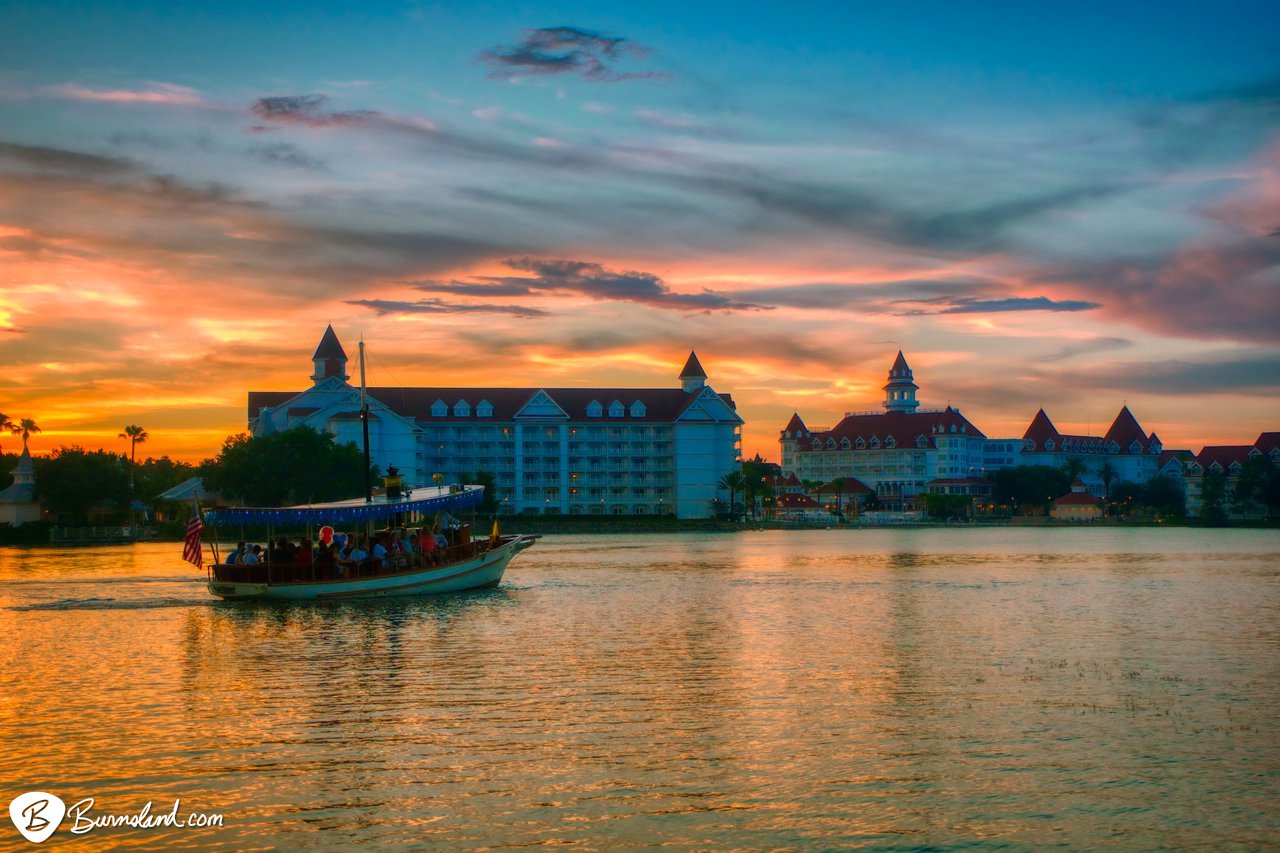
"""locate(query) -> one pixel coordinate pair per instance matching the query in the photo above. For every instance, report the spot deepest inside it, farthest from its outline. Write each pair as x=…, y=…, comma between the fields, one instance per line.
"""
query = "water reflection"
x=765, y=690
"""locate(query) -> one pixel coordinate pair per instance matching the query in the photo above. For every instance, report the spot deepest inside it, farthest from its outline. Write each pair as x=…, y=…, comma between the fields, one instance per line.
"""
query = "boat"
x=462, y=563
x=465, y=563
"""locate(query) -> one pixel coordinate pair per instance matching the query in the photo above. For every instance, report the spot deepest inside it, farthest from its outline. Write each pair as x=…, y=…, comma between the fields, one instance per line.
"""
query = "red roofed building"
x=1126, y=452
x=1077, y=505
x=580, y=451
x=895, y=452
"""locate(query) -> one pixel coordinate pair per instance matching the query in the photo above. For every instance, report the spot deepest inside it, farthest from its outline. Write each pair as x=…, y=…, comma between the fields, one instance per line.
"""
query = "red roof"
x=1125, y=431
x=1077, y=499
x=905, y=428
x=795, y=426
x=1041, y=429
x=1224, y=455
x=692, y=368
x=329, y=347
x=1268, y=441
x=850, y=486
x=661, y=404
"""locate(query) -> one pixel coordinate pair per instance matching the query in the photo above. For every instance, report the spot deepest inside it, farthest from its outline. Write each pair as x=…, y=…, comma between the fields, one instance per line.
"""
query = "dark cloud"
x=591, y=280
x=388, y=307
x=1229, y=291
x=1017, y=303
x=912, y=297
x=1257, y=373
x=566, y=50
x=877, y=216
x=61, y=160
x=307, y=110
x=285, y=154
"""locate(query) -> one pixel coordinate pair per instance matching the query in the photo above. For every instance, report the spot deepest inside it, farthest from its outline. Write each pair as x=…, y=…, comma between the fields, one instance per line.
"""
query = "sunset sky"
x=1067, y=205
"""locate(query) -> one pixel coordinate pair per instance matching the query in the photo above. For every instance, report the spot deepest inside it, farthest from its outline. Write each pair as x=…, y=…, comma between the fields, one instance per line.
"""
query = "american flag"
x=192, y=550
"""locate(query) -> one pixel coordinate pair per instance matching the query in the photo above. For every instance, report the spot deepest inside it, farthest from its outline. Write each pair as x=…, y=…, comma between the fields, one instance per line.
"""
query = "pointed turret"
x=330, y=359
x=795, y=427
x=900, y=391
x=1041, y=430
x=693, y=377
x=1125, y=430
x=25, y=471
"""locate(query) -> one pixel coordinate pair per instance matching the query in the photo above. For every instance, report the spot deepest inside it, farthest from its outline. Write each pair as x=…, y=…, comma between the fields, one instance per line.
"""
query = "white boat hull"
x=480, y=571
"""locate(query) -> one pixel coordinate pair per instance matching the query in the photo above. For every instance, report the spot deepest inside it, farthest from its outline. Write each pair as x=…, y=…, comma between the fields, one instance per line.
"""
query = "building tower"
x=693, y=377
x=900, y=392
x=330, y=359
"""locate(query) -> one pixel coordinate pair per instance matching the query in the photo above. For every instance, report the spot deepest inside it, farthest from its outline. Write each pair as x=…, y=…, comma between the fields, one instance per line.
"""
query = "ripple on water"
x=901, y=689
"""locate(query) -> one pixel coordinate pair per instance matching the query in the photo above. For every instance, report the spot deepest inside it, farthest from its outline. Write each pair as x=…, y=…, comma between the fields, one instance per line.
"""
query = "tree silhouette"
x=136, y=436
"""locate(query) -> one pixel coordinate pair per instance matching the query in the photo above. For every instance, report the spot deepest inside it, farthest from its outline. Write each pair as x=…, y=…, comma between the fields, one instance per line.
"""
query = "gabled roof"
x=1224, y=455
x=692, y=369
x=329, y=347
x=795, y=426
x=1041, y=429
x=1180, y=456
x=1268, y=441
x=903, y=427
x=660, y=404
x=1125, y=430
x=850, y=486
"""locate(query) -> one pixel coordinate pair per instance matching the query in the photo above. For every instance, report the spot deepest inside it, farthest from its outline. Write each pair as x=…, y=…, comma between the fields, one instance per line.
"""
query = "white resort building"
x=574, y=451
x=899, y=453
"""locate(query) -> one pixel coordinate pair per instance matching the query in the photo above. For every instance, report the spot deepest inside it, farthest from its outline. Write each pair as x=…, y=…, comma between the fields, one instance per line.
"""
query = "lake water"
x=896, y=689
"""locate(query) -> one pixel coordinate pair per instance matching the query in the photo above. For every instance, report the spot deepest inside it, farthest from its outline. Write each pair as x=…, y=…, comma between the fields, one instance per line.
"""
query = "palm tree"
x=136, y=436
x=1108, y=473
x=6, y=425
x=733, y=482
x=24, y=428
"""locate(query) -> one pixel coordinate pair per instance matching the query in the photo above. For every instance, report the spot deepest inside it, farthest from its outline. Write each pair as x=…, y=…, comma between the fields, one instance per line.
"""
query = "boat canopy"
x=429, y=500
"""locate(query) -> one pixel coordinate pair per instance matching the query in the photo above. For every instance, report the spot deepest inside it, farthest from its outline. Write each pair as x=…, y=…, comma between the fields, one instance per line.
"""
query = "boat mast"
x=364, y=424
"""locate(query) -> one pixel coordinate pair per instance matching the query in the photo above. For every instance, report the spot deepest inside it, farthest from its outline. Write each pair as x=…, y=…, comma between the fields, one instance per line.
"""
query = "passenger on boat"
x=236, y=556
x=326, y=560
x=253, y=556
x=430, y=551
x=282, y=552
x=302, y=556
x=380, y=552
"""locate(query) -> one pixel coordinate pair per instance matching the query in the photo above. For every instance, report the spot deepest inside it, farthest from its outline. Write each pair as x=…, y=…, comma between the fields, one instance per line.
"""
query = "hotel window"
x=461, y=409
x=594, y=409
x=844, y=444
x=484, y=410
x=637, y=409
x=1048, y=444
x=875, y=441
x=439, y=409
x=921, y=441
x=890, y=443
x=860, y=444
x=616, y=409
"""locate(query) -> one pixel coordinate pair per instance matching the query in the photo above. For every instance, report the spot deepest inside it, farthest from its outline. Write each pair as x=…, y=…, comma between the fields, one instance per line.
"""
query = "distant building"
x=1077, y=505
x=1226, y=461
x=1126, y=452
x=18, y=503
x=896, y=452
x=576, y=451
